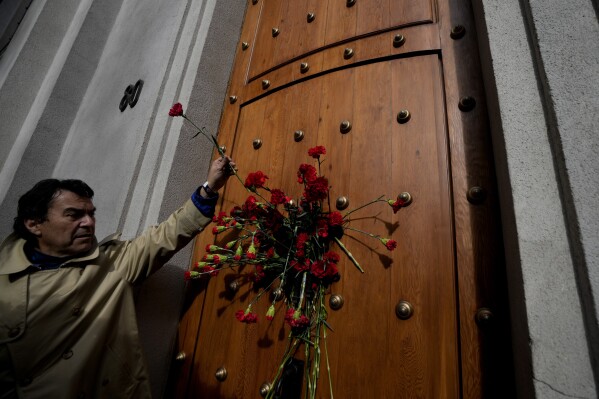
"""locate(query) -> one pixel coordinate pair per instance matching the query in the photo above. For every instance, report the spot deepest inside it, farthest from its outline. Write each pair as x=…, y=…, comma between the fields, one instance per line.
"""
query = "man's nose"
x=88, y=220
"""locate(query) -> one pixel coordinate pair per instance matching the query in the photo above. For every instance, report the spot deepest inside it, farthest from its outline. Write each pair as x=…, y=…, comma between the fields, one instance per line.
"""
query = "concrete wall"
x=61, y=80
x=541, y=65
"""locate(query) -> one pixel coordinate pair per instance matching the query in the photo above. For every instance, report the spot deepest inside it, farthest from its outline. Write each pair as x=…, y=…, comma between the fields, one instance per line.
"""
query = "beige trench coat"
x=72, y=332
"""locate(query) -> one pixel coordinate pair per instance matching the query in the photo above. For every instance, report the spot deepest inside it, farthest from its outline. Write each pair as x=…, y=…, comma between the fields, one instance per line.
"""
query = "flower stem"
x=349, y=255
x=379, y=199
x=286, y=356
x=326, y=354
x=215, y=143
x=363, y=232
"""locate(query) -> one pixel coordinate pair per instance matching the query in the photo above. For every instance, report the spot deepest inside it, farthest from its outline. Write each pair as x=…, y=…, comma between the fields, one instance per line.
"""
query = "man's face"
x=69, y=227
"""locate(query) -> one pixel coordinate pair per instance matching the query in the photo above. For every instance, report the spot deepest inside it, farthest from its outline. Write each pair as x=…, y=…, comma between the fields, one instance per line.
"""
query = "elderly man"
x=67, y=320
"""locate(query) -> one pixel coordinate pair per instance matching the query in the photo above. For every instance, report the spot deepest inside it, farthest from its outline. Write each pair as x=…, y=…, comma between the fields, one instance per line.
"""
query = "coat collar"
x=13, y=259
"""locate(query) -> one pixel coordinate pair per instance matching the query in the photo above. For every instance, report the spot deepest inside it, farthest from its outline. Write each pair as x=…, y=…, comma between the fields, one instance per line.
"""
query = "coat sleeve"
x=139, y=258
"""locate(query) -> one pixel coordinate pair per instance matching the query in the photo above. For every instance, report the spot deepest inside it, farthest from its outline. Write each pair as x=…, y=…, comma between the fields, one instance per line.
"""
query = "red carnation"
x=399, y=203
x=390, y=244
x=331, y=257
x=250, y=204
x=220, y=219
x=321, y=269
x=255, y=180
x=306, y=173
x=187, y=276
x=295, y=319
x=316, y=152
x=335, y=219
x=258, y=273
x=209, y=270
x=246, y=316
x=300, y=244
x=318, y=189
x=300, y=265
x=212, y=248
x=323, y=228
x=278, y=197
x=176, y=110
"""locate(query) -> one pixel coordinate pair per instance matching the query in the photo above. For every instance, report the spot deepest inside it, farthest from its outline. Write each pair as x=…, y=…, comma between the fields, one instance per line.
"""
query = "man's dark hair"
x=34, y=203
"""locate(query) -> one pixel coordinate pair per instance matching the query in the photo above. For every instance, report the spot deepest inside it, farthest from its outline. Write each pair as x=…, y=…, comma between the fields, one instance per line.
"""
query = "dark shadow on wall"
x=521, y=351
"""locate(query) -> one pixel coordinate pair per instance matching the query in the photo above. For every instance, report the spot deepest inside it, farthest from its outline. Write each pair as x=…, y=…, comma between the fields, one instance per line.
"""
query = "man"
x=67, y=320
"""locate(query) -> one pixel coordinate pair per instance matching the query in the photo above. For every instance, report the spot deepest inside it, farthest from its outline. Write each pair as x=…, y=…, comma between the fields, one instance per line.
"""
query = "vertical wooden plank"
x=314, y=35
x=294, y=31
x=341, y=21
x=373, y=16
x=231, y=347
x=408, y=12
x=485, y=354
x=336, y=105
x=429, y=358
x=264, y=48
x=367, y=295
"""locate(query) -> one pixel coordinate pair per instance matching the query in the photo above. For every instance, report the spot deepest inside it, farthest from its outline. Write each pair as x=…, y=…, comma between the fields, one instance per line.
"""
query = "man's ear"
x=33, y=226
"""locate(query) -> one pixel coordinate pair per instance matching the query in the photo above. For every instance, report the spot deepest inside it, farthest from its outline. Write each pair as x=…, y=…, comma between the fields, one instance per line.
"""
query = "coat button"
x=105, y=382
x=81, y=395
x=13, y=332
x=76, y=311
x=67, y=354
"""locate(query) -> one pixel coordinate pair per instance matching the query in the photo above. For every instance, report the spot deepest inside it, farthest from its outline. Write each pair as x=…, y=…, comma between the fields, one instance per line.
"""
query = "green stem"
x=349, y=255
x=303, y=289
x=326, y=353
x=286, y=356
x=215, y=143
x=379, y=199
x=363, y=232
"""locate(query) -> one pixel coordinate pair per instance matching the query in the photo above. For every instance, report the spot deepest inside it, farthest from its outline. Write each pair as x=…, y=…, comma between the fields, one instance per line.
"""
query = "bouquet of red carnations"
x=288, y=246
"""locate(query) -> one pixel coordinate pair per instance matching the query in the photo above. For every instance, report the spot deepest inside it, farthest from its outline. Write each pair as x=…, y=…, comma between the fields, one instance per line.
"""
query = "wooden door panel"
x=375, y=354
x=264, y=45
x=334, y=22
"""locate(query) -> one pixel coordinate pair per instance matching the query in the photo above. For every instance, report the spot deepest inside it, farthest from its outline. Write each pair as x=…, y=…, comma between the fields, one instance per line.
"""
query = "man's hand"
x=219, y=172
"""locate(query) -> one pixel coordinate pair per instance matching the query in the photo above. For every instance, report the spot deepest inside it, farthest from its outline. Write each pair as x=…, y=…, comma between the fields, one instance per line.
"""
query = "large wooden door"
x=365, y=62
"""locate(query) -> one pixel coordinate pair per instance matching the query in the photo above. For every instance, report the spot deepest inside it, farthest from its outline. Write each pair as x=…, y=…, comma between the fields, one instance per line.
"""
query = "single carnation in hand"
x=176, y=110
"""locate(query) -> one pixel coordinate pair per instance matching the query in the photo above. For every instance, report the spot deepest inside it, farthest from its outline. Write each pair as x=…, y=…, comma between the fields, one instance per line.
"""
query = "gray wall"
x=61, y=80
x=65, y=70
x=542, y=80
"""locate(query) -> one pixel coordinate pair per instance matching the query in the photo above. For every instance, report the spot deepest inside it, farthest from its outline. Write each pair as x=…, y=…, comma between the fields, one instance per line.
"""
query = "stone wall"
x=541, y=65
